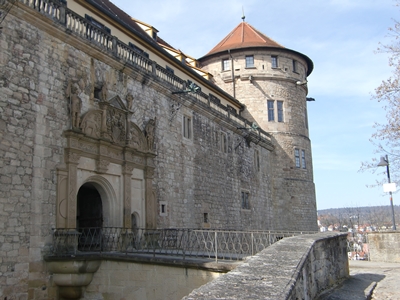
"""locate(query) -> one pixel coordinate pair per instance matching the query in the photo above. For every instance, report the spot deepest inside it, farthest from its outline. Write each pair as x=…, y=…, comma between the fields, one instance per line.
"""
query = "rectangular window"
x=280, y=111
x=303, y=159
x=187, y=127
x=205, y=217
x=231, y=109
x=294, y=62
x=271, y=112
x=224, y=146
x=274, y=61
x=249, y=61
x=97, y=24
x=138, y=50
x=163, y=208
x=226, y=65
x=297, y=157
x=245, y=200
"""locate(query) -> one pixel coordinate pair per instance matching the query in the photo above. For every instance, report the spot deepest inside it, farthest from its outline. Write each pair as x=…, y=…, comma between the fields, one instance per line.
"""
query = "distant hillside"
x=361, y=210
x=364, y=216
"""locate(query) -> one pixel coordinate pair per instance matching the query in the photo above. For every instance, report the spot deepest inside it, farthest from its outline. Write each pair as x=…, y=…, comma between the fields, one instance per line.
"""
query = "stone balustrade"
x=80, y=27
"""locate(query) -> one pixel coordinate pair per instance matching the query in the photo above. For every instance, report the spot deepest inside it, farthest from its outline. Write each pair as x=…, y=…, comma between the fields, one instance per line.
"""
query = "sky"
x=341, y=37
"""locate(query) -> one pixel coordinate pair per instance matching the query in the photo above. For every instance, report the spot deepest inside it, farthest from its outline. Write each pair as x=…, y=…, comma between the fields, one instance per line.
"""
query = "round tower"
x=271, y=81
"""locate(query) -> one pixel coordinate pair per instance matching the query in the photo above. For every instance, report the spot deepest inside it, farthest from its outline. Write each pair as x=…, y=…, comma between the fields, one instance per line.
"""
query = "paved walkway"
x=368, y=280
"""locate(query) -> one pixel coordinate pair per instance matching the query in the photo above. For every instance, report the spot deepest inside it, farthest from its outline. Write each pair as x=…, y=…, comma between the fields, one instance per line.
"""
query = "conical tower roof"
x=244, y=36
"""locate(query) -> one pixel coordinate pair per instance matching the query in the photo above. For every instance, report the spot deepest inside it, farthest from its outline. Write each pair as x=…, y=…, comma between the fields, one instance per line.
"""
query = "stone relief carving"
x=150, y=133
x=138, y=160
x=149, y=172
x=110, y=122
x=128, y=168
x=102, y=165
x=136, y=138
x=116, y=125
x=117, y=103
x=91, y=123
x=72, y=157
x=104, y=137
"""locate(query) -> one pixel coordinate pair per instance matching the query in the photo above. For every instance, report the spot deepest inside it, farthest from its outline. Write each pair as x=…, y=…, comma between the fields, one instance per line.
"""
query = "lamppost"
x=385, y=162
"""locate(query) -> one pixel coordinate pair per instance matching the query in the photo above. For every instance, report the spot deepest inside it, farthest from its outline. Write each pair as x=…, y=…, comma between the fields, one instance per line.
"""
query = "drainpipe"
x=233, y=74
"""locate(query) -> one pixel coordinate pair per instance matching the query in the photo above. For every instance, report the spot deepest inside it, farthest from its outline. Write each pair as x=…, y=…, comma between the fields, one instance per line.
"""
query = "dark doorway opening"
x=89, y=217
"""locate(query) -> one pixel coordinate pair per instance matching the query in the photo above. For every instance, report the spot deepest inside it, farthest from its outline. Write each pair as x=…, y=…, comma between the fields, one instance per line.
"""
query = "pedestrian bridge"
x=150, y=264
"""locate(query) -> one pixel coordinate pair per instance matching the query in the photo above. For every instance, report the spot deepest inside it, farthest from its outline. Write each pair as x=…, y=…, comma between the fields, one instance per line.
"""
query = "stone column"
x=127, y=174
x=72, y=167
x=151, y=207
x=62, y=196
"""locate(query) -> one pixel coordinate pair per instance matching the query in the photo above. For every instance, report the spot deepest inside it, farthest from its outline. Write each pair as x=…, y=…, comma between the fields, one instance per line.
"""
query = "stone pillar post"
x=62, y=196
x=114, y=46
x=153, y=68
x=127, y=173
x=63, y=15
x=151, y=207
x=72, y=166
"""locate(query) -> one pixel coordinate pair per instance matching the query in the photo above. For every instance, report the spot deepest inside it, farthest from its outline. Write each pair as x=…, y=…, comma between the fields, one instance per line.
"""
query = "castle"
x=104, y=124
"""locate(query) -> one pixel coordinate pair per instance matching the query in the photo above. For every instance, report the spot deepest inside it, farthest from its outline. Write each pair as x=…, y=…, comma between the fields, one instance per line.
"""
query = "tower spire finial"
x=243, y=16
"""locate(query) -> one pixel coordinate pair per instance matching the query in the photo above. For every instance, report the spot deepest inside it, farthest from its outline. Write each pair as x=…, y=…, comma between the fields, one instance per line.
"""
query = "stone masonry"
x=300, y=267
x=63, y=100
x=257, y=85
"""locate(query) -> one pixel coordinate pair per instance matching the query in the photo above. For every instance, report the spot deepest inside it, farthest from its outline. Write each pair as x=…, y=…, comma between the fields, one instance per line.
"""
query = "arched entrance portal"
x=89, y=207
x=89, y=218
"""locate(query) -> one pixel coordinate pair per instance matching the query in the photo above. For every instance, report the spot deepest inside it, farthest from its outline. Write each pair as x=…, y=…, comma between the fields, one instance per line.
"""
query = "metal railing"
x=212, y=244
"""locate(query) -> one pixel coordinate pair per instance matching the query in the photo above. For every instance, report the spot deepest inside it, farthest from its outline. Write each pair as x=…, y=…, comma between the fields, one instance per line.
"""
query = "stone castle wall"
x=192, y=176
x=33, y=115
x=129, y=280
x=293, y=188
x=383, y=246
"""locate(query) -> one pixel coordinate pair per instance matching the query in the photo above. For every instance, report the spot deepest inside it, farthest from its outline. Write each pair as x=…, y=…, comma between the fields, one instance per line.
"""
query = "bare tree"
x=387, y=136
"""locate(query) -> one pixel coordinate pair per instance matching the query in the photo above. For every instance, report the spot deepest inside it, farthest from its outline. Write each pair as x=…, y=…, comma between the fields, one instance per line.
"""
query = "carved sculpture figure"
x=129, y=101
x=104, y=92
x=75, y=103
x=150, y=132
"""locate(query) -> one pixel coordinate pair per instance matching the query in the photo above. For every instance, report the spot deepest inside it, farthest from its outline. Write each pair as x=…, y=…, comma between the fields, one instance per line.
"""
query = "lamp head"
x=304, y=82
x=383, y=162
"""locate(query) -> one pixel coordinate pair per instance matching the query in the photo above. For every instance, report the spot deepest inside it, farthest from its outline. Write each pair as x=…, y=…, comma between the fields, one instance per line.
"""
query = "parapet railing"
x=101, y=38
x=198, y=243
